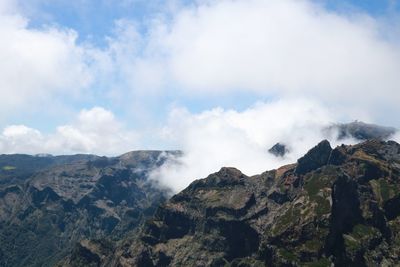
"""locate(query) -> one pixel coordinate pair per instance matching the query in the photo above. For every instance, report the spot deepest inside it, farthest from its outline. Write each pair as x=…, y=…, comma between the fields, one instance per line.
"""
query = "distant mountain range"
x=48, y=203
x=334, y=206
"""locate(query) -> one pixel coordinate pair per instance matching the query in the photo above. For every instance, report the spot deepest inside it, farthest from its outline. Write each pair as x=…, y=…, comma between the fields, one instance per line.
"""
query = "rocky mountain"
x=334, y=207
x=361, y=131
x=48, y=203
x=278, y=150
x=339, y=131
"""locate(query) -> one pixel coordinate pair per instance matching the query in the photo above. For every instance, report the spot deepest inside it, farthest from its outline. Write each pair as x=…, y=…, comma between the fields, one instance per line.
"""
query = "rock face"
x=48, y=204
x=336, y=207
x=278, y=150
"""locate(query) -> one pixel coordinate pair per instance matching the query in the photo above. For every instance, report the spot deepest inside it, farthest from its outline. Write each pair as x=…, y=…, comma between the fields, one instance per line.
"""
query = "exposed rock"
x=50, y=203
x=317, y=157
x=278, y=150
x=340, y=211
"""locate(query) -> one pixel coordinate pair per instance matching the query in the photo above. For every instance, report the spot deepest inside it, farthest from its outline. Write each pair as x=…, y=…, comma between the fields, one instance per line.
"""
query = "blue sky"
x=94, y=20
x=134, y=63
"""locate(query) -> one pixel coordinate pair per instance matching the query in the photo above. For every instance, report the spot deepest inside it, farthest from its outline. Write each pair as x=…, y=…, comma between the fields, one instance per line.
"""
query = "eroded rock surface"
x=334, y=207
x=48, y=204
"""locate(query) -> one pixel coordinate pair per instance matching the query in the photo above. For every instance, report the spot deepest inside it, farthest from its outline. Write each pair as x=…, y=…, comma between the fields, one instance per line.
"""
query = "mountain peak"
x=329, y=210
x=316, y=157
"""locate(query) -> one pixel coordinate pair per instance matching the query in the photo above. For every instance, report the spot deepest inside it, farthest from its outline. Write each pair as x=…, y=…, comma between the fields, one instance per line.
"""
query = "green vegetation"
x=291, y=216
x=246, y=262
x=320, y=263
x=8, y=168
x=315, y=184
x=314, y=187
x=313, y=245
x=351, y=243
x=324, y=206
x=288, y=255
x=383, y=190
x=360, y=236
x=360, y=231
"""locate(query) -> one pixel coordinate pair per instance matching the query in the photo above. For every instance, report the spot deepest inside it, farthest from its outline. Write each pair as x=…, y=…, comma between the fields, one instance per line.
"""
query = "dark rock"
x=278, y=150
x=340, y=214
x=278, y=197
x=317, y=157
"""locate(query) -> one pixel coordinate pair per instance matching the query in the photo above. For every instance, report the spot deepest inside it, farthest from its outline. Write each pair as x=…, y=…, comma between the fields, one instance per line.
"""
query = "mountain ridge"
x=88, y=210
x=342, y=210
x=47, y=204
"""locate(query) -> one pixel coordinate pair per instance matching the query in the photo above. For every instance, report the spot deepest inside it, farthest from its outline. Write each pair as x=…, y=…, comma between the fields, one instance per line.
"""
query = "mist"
x=226, y=138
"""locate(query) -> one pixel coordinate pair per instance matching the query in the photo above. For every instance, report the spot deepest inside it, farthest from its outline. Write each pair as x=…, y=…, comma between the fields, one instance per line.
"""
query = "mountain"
x=49, y=203
x=334, y=206
x=339, y=131
x=278, y=150
x=361, y=131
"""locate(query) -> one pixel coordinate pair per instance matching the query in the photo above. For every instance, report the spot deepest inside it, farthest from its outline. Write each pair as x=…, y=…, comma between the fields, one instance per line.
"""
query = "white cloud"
x=217, y=138
x=37, y=64
x=94, y=131
x=287, y=47
x=281, y=48
x=396, y=137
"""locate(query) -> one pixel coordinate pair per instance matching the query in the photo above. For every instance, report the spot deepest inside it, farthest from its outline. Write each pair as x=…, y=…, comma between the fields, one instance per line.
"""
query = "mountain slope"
x=47, y=203
x=337, y=206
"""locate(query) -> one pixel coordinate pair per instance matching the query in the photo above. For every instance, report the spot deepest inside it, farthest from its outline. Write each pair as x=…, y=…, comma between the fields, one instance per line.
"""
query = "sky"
x=218, y=79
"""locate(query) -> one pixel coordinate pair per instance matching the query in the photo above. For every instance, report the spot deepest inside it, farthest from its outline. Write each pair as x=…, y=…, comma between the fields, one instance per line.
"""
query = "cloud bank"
x=217, y=138
x=93, y=131
x=208, y=49
x=274, y=48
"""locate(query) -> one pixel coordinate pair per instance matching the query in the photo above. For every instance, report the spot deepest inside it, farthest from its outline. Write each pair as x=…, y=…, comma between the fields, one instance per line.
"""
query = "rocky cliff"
x=336, y=207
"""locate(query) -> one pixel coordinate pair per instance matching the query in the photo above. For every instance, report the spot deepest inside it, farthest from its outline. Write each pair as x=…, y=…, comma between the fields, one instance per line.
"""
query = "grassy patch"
x=313, y=245
x=291, y=216
x=323, y=207
x=351, y=243
x=314, y=187
x=320, y=263
x=383, y=190
x=360, y=231
x=287, y=255
x=360, y=237
x=8, y=168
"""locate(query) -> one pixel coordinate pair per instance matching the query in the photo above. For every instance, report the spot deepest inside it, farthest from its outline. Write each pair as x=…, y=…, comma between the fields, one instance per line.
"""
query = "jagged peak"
x=316, y=157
